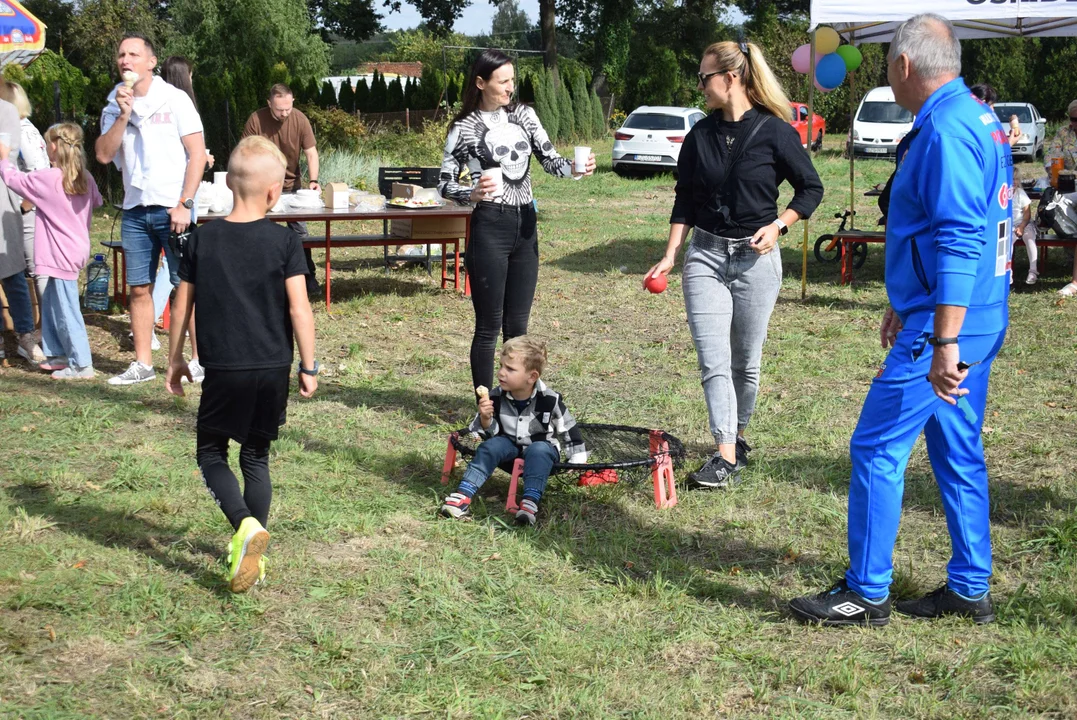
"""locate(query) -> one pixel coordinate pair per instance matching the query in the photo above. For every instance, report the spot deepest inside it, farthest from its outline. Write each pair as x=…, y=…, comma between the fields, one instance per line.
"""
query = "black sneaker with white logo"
x=743, y=448
x=840, y=606
x=944, y=601
x=716, y=474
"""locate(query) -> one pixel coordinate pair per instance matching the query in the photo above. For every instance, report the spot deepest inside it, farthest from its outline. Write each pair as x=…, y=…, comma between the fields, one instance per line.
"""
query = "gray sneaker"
x=29, y=349
x=136, y=373
x=74, y=373
x=198, y=373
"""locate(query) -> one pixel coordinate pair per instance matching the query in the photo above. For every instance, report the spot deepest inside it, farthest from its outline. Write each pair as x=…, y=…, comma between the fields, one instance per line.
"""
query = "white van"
x=879, y=125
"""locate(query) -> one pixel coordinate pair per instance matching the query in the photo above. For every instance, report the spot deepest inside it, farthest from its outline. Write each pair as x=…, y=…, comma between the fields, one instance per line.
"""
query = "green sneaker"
x=261, y=570
x=245, y=555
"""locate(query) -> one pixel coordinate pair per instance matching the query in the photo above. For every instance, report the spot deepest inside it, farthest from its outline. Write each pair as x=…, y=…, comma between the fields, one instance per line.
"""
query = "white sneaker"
x=74, y=373
x=1032, y=278
x=155, y=344
x=198, y=373
x=29, y=349
x=136, y=373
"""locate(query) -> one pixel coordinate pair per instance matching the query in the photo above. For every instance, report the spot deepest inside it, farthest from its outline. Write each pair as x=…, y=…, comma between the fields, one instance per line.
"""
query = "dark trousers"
x=502, y=266
x=300, y=229
x=222, y=483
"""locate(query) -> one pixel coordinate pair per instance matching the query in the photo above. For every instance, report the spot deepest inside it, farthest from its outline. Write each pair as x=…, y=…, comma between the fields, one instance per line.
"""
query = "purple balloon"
x=802, y=59
x=830, y=70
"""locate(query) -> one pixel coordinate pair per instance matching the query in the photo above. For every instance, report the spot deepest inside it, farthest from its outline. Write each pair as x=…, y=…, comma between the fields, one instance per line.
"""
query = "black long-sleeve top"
x=773, y=156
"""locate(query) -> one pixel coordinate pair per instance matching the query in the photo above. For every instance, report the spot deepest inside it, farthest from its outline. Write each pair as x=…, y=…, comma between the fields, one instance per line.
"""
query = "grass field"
x=113, y=600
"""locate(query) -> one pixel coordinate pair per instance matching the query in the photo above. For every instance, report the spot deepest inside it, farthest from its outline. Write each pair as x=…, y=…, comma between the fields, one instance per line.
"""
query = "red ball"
x=656, y=283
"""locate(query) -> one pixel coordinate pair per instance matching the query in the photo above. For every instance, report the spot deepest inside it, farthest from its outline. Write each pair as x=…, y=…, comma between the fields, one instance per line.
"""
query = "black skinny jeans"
x=502, y=266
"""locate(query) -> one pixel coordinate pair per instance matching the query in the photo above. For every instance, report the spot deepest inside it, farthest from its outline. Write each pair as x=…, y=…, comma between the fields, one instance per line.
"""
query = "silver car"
x=651, y=138
x=1033, y=128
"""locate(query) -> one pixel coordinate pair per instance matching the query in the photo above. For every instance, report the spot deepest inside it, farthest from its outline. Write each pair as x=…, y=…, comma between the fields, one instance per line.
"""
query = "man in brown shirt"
x=290, y=130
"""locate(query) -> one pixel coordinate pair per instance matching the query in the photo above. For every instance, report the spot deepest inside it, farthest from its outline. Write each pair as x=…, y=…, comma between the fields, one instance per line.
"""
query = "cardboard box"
x=335, y=195
x=404, y=190
x=429, y=228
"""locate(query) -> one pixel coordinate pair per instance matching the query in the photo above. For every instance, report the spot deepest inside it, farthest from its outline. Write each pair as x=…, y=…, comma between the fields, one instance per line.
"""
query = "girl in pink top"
x=65, y=195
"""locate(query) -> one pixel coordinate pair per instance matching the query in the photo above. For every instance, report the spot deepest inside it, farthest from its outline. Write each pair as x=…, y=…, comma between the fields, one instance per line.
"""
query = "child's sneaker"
x=73, y=372
x=1033, y=276
x=527, y=512
x=456, y=505
x=53, y=364
x=245, y=555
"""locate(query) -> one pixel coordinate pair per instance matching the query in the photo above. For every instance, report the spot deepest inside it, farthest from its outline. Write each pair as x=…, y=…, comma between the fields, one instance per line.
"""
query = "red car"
x=800, y=122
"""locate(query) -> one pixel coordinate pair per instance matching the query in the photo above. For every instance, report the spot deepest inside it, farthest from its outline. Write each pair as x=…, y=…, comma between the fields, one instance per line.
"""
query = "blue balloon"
x=830, y=70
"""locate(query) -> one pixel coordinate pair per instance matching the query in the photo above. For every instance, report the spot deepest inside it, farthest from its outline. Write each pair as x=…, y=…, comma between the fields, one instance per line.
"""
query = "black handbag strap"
x=739, y=148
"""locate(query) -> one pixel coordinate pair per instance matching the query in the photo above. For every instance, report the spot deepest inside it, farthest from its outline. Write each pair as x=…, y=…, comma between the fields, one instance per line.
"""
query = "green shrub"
x=581, y=105
x=38, y=81
x=327, y=98
x=346, y=97
x=336, y=128
x=598, y=119
x=565, y=113
x=358, y=170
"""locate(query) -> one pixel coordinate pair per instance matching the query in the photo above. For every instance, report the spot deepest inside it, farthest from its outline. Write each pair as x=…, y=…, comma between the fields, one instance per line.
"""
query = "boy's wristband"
x=304, y=371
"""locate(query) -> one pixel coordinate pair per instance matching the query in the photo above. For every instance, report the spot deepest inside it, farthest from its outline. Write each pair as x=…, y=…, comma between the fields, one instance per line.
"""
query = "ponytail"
x=764, y=91
x=70, y=156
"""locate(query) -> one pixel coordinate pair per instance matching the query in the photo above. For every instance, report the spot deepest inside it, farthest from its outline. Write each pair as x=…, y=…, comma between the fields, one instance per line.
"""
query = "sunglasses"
x=703, y=78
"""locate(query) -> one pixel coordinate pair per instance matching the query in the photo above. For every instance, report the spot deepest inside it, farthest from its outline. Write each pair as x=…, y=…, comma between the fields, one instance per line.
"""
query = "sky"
x=476, y=19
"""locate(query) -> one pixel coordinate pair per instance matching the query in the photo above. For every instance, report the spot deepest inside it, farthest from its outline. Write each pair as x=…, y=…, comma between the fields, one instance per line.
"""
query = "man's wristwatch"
x=188, y=203
x=782, y=227
x=314, y=371
x=311, y=182
x=937, y=341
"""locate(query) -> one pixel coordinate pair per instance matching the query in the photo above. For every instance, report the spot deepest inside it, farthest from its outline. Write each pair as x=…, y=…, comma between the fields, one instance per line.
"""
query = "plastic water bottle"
x=97, y=277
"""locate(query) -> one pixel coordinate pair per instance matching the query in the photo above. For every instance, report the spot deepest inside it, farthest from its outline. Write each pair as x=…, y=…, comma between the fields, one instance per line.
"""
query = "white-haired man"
x=947, y=256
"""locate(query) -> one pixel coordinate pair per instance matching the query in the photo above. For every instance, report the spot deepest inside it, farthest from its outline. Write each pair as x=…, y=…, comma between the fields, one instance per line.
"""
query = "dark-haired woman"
x=729, y=171
x=177, y=72
x=491, y=132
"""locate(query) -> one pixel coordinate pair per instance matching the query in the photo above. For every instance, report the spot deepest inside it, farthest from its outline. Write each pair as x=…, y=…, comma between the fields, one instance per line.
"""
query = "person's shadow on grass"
x=166, y=544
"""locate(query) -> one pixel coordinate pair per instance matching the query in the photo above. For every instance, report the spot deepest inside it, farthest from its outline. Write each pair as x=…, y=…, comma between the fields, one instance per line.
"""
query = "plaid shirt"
x=545, y=418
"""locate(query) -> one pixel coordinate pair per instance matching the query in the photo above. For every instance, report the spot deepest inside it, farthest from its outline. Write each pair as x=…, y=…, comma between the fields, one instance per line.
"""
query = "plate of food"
x=416, y=203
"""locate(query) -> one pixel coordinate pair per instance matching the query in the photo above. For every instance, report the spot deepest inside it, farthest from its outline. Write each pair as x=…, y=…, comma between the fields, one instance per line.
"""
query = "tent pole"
x=852, y=155
x=811, y=113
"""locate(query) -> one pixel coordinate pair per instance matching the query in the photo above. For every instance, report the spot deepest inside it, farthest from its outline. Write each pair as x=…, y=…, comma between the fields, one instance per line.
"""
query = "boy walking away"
x=65, y=196
x=519, y=418
x=247, y=276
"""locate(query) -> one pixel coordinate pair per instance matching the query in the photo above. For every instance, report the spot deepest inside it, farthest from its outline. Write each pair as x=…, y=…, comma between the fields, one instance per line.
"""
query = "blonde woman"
x=729, y=171
x=65, y=196
x=32, y=156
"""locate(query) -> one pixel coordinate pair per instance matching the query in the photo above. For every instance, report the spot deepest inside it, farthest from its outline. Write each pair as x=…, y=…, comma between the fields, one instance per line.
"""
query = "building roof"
x=402, y=69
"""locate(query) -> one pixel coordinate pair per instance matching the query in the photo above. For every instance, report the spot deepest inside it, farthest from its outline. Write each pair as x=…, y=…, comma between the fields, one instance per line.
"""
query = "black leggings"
x=223, y=484
x=502, y=266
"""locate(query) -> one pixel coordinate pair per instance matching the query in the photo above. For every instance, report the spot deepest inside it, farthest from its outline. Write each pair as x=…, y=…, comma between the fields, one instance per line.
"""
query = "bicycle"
x=828, y=247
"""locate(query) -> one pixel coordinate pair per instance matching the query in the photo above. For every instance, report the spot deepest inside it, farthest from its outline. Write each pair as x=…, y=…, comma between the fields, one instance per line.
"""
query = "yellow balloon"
x=826, y=41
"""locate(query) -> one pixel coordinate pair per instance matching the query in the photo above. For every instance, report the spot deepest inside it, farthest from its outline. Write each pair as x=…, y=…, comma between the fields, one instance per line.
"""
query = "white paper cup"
x=583, y=154
x=495, y=173
x=220, y=178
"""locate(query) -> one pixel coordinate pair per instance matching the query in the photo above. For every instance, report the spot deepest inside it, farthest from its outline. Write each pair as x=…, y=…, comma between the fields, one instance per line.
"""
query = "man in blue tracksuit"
x=947, y=254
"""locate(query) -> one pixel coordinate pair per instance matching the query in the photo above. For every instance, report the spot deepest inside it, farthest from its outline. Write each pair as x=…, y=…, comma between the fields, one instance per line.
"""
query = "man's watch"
x=304, y=371
x=782, y=227
x=188, y=203
x=937, y=341
x=311, y=182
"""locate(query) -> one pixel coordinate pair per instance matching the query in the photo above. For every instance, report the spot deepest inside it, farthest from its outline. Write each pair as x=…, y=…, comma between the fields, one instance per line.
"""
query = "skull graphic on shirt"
x=508, y=146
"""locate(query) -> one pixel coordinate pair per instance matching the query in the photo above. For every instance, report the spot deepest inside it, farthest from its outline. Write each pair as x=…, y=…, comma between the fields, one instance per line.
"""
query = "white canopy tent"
x=859, y=22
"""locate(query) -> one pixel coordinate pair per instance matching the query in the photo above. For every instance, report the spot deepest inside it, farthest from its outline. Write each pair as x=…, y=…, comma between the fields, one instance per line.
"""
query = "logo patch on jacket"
x=1004, y=194
x=546, y=418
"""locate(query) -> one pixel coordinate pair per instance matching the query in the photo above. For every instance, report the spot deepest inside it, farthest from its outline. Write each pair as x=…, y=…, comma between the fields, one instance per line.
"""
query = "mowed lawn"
x=113, y=600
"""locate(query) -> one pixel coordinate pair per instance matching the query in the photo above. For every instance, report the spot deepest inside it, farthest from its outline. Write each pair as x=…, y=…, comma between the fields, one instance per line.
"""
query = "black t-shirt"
x=238, y=272
x=750, y=193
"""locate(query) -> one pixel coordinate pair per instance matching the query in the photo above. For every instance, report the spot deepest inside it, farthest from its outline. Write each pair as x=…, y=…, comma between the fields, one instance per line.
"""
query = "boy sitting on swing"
x=521, y=417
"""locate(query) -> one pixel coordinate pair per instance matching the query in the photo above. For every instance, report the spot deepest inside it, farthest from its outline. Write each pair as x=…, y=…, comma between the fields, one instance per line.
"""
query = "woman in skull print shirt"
x=490, y=132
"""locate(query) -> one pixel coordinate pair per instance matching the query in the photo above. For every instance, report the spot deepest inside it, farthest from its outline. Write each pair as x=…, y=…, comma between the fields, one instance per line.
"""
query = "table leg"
x=846, y=263
x=467, y=277
x=328, y=271
x=444, y=257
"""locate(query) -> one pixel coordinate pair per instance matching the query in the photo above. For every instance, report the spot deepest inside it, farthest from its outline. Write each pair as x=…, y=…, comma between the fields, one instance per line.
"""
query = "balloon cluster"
x=832, y=59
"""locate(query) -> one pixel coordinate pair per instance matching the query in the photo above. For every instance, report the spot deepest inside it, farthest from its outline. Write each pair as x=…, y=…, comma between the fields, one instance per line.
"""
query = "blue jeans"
x=18, y=303
x=729, y=293
x=899, y=405
x=144, y=232
x=63, y=332
x=539, y=459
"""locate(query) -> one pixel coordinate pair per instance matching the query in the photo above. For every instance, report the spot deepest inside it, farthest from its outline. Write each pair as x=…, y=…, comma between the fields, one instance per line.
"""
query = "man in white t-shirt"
x=153, y=133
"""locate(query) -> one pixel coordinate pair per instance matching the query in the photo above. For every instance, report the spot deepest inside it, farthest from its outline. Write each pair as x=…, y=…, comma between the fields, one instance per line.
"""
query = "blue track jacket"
x=948, y=229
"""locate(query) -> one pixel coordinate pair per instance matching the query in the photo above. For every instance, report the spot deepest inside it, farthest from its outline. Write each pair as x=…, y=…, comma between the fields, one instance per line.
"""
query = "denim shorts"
x=144, y=231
